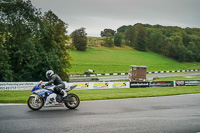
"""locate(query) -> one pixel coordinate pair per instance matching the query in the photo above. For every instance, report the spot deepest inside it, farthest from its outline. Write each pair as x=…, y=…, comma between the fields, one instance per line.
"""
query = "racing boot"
x=64, y=93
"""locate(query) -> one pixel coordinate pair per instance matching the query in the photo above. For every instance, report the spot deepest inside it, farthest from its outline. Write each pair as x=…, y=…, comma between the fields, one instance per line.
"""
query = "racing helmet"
x=49, y=73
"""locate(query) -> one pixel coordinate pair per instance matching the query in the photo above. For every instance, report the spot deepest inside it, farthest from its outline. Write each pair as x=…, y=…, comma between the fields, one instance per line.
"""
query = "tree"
x=108, y=40
x=177, y=50
x=55, y=42
x=166, y=47
x=118, y=39
x=30, y=44
x=141, y=38
x=79, y=38
x=122, y=29
x=130, y=35
x=106, y=31
x=156, y=41
x=6, y=71
x=192, y=52
x=21, y=22
x=181, y=44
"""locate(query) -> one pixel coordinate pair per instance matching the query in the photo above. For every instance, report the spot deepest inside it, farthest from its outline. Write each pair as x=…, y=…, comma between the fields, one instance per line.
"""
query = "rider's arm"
x=51, y=81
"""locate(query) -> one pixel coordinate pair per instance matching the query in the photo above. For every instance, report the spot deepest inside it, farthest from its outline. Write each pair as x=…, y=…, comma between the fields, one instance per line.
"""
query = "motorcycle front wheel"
x=74, y=101
x=35, y=104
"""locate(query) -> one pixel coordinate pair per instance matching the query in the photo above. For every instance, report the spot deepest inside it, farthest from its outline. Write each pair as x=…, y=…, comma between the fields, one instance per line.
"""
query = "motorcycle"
x=44, y=96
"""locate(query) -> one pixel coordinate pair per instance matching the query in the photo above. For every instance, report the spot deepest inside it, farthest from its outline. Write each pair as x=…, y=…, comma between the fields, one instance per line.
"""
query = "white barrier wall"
x=102, y=85
x=17, y=85
x=80, y=86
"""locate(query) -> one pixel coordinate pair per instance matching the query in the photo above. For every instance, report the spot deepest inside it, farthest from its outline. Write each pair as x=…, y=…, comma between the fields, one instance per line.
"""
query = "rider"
x=57, y=81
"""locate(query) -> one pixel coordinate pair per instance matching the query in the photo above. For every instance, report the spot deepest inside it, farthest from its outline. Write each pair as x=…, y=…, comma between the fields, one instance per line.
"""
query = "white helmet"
x=49, y=73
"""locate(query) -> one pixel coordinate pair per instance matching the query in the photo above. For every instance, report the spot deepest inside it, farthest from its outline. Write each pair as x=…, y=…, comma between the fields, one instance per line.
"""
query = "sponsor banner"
x=81, y=85
x=119, y=85
x=192, y=83
x=161, y=83
x=180, y=83
x=139, y=84
x=100, y=85
x=17, y=85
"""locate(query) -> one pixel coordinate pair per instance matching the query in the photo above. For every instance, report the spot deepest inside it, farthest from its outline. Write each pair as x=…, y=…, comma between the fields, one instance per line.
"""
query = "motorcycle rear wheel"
x=74, y=103
x=35, y=105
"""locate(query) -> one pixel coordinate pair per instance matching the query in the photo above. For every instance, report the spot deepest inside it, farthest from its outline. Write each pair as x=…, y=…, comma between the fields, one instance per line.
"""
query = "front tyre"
x=35, y=104
x=74, y=101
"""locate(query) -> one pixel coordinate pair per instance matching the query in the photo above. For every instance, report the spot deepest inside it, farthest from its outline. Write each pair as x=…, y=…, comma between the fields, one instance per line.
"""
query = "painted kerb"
x=111, y=74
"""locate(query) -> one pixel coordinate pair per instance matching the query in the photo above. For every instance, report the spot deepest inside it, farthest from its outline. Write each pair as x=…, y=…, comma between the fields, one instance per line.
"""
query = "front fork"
x=36, y=97
x=35, y=102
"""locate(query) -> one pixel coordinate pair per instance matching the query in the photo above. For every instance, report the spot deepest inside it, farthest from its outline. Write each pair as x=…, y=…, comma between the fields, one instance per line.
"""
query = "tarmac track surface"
x=169, y=114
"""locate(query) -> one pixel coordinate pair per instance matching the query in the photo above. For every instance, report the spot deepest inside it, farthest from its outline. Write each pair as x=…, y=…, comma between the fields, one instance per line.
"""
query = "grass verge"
x=104, y=94
x=119, y=59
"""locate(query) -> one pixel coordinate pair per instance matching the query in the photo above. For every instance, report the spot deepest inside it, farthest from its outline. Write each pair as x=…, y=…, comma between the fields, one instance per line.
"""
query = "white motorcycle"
x=47, y=98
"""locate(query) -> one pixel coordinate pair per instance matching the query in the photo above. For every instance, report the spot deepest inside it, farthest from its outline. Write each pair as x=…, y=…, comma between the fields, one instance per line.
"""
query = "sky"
x=97, y=15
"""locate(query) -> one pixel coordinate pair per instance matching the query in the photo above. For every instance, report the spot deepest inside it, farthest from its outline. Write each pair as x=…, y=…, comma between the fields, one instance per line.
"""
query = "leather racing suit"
x=57, y=81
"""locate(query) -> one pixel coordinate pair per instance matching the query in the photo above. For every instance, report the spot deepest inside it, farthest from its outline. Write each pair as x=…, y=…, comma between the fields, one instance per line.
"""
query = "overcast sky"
x=97, y=15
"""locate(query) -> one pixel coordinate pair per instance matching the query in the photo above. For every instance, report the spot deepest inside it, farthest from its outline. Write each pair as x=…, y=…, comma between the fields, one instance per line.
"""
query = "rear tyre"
x=35, y=105
x=74, y=103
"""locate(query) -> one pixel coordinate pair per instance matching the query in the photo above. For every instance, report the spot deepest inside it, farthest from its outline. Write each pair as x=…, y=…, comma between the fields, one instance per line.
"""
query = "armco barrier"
x=111, y=74
x=102, y=85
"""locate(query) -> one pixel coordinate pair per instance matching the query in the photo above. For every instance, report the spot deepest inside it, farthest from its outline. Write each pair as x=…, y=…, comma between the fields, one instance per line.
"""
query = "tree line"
x=31, y=43
x=181, y=44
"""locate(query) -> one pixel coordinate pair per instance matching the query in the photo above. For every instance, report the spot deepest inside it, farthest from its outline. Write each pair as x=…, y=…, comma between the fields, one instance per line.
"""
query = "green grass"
x=103, y=94
x=195, y=77
x=93, y=41
x=134, y=92
x=117, y=59
x=14, y=96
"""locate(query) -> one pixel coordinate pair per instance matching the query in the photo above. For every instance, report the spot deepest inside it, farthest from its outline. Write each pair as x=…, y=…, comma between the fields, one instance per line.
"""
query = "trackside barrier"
x=152, y=84
x=188, y=83
x=83, y=85
x=102, y=85
x=111, y=74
